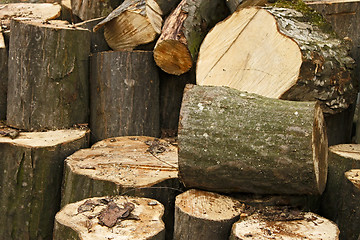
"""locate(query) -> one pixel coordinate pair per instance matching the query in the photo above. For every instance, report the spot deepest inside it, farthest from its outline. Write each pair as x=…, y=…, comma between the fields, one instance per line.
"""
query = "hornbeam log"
x=292, y=225
x=341, y=158
x=113, y=218
x=90, y=9
x=30, y=180
x=250, y=143
x=264, y=51
x=125, y=95
x=349, y=212
x=183, y=31
x=3, y=76
x=204, y=215
x=138, y=166
x=48, y=75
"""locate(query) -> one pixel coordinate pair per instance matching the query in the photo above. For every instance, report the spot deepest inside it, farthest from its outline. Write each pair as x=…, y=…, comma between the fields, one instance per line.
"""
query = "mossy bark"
x=232, y=141
x=48, y=75
x=30, y=183
x=3, y=76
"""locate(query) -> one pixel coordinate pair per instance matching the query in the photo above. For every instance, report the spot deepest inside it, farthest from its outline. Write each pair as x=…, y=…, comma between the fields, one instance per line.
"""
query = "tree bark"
x=138, y=166
x=3, y=76
x=48, y=77
x=233, y=5
x=79, y=221
x=125, y=95
x=30, y=182
x=349, y=212
x=183, y=32
x=90, y=9
x=243, y=143
x=204, y=215
x=163, y=7
x=269, y=56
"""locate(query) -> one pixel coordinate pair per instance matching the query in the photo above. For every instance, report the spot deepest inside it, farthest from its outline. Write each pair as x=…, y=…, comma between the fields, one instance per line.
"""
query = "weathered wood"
x=250, y=143
x=204, y=215
x=280, y=226
x=48, y=75
x=80, y=220
x=3, y=76
x=138, y=166
x=66, y=12
x=30, y=181
x=233, y=5
x=183, y=32
x=163, y=7
x=341, y=158
x=90, y=9
x=125, y=95
x=270, y=56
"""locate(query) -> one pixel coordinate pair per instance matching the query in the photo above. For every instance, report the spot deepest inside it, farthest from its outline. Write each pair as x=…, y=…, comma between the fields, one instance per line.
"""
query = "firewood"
x=30, y=181
x=233, y=5
x=233, y=141
x=125, y=95
x=349, y=211
x=204, y=215
x=90, y=9
x=138, y=166
x=111, y=218
x=48, y=75
x=264, y=51
x=183, y=31
x=3, y=76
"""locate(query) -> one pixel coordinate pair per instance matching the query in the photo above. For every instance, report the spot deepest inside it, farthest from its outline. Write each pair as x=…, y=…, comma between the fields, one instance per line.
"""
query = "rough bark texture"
x=349, y=212
x=317, y=67
x=3, y=76
x=341, y=158
x=204, y=215
x=77, y=222
x=232, y=141
x=48, y=75
x=233, y=5
x=90, y=9
x=183, y=32
x=30, y=181
x=138, y=166
x=124, y=88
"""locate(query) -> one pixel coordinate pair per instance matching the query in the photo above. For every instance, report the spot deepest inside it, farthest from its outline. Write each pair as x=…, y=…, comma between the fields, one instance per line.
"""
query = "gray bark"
x=90, y=9
x=3, y=76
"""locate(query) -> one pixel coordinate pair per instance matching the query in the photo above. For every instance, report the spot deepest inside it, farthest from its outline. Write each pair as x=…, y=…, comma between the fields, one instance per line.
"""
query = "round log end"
x=173, y=57
x=354, y=177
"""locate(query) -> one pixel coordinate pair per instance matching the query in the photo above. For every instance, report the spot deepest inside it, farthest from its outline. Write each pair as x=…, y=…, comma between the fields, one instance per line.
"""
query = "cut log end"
x=354, y=177
x=173, y=57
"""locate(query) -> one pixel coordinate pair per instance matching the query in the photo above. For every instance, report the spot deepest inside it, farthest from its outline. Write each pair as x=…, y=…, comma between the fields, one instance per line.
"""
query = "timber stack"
x=208, y=119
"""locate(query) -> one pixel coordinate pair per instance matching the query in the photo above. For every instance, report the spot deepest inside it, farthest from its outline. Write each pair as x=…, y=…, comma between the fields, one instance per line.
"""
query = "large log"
x=90, y=9
x=3, y=76
x=183, y=32
x=48, y=75
x=30, y=181
x=270, y=56
x=250, y=143
x=204, y=215
x=138, y=166
x=125, y=95
x=113, y=218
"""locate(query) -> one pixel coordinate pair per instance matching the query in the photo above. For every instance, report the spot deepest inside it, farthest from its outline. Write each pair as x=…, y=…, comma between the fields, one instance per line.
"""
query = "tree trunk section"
x=48, y=77
x=80, y=220
x=349, y=212
x=243, y=143
x=30, y=182
x=3, y=76
x=183, y=32
x=295, y=226
x=90, y=9
x=124, y=88
x=139, y=166
x=341, y=158
x=204, y=215
x=269, y=56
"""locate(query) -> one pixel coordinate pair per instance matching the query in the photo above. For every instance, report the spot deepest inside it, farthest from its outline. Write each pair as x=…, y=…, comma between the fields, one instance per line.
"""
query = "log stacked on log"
x=30, y=181
x=232, y=141
x=3, y=75
x=204, y=215
x=124, y=95
x=111, y=218
x=139, y=166
x=90, y=9
x=48, y=77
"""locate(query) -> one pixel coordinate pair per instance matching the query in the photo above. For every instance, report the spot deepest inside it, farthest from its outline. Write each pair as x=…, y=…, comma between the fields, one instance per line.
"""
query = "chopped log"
x=138, y=166
x=163, y=7
x=341, y=158
x=317, y=67
x=125, y=95
x=30, y=181
x=251, y=143
x=349, y=212
x=66, y=12
x=290, y=225
x=204, y=215
x=3, y=76
x=48, y=77
x=90, y=9
x=87, y=219
x=233, y=5
x=183, y=32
